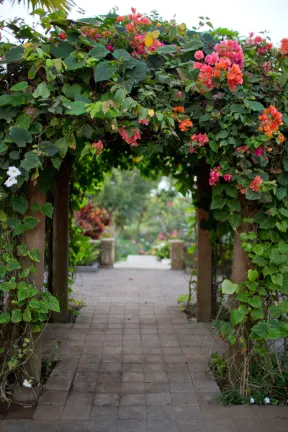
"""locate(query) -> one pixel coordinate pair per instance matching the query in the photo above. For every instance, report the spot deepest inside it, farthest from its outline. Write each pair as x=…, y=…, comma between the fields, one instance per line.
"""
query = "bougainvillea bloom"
x=62, y=36
x=109, y=48
x=192, y=149
x=179, y=109
x=259, y=152
x=130, y=28
x=185, y=124
x=179, y=94
x=242, y=149
x=169, y=204
x=143, y=121
x=205, y=74
x=138, y=44
x=281, y=138
x=228, y=177
x=120, y=18
x=255, y=185
x=199, y=55
x=211, y=59
x=284, y=46
x=232, y=50
x=201, y=139
x=99, y=146
x=234, y=77
x=271, y=120
x=132, y=140
x=214, y=176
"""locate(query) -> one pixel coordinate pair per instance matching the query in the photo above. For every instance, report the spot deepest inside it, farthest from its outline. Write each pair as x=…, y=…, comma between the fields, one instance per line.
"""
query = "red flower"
x=179, y=94
x=271, y=120
x=201, y=139
x=109, y=48
x=62, y=36
x=259, y=152
x=130, y=140
x=281, y=138
x=199, y=55
x=255, y=184
x=214, y=176
x=179, y=109
x=284, y=46
x=130, y=28
x=241, y=149
x=120, y=18
x=184, y=124
x=231, y=50
x=99, y=146
x=228, y=177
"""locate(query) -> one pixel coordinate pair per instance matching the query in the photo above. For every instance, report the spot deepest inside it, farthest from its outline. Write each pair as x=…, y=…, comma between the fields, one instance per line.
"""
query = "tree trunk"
x=60, y=251
x=35, y=238
x=204, y=247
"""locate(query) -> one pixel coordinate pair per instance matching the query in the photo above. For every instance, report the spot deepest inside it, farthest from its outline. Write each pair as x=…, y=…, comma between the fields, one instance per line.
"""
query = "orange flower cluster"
x=271, y=120
x=284, y=46
x=185, y=124
x=281, y=138
x=234, y=77
x=255, y=184
x=178, y=109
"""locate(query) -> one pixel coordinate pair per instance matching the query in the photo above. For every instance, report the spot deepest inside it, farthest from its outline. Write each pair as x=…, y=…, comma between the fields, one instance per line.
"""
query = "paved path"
x=148, y=262
x=133, y=363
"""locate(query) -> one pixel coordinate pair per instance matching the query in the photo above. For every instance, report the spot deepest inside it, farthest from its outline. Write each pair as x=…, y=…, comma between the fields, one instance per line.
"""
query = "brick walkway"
x=133, y=363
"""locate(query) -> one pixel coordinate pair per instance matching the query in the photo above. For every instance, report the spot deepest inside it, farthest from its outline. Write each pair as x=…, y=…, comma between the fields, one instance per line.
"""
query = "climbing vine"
x=140, y=86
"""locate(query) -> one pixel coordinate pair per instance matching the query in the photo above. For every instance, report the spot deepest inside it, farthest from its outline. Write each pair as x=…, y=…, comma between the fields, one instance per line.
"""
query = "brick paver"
x=133, y=363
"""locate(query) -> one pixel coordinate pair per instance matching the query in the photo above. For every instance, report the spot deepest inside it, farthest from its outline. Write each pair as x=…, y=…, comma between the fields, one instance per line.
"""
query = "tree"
x=45, y=4
x=124, y=195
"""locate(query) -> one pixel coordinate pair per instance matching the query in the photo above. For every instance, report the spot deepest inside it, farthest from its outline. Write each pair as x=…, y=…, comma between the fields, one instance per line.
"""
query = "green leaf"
x=235, y=220
x=228, y=287
x=73, y=63
x=27, y=315
x=63, y=143
x=13, y=264
x=15, y=100
x=99, y=51
x=30, y=222
x=24, y=274
x=31, y=161
x=2, y=271
x=243, y=297
x=278, y=279
x=167, y=49
x=16, y=316
x=217, y=203
x=268, y=223
x=283, y=211
x=19, y=204
x=257, y=314
x=259, y=249
x=221, y=135
x=14, y=54
x=253, y=275
x=47, y=209
x=138, y=73
x=255, y=302
x=61, y=49
x=283, y=179
x=252, y=196
x=236, y=316
x=42, y=91
x=22, y=250
x=76, y=108
x=121, y=53
x=4, y=318
x=20, y=136
x=191, y=45
x=52, y=302
x=259, y=260
x=34, y=254
x=256, y=106
x=21, y=86
x=23, y=291
x=104, y=71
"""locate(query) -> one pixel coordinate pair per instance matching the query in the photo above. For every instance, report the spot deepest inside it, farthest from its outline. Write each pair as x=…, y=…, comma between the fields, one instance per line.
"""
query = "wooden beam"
x=35, y=238
x=204, y=247
x=60, y=251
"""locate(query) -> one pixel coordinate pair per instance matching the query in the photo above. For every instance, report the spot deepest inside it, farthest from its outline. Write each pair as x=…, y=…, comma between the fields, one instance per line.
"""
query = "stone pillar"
x=177, y=254
x=107, y=254
x=204, y=247
x=61, y=241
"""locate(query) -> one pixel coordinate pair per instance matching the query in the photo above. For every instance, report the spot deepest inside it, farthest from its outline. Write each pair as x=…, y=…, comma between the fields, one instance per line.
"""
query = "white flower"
x=252, y=400
x=267, y=400
x=27, y=383
x=10, y=181
x=13, y=171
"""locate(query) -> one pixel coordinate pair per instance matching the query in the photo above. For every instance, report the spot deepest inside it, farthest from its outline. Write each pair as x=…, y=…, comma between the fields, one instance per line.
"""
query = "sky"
x=242, y=15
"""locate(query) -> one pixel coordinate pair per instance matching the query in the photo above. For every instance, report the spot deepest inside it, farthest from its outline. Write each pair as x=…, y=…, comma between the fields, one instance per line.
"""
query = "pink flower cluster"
x=138, y=18
x=139, y=47
x=201, y=139
x=230, y=49
x=227, y=58
x=130, y=140
x=216, y=174
x=263, y=46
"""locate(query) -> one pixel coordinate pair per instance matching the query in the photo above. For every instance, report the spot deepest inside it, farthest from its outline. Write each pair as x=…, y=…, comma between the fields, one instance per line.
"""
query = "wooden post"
x=177, y=254
x=61, y=241
x=107, y=254
x=35, y=238
x=204, y=247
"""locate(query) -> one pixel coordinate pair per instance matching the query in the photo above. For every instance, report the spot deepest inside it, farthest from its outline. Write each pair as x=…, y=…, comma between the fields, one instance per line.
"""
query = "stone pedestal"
x=107, y=255
x=177, y=254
